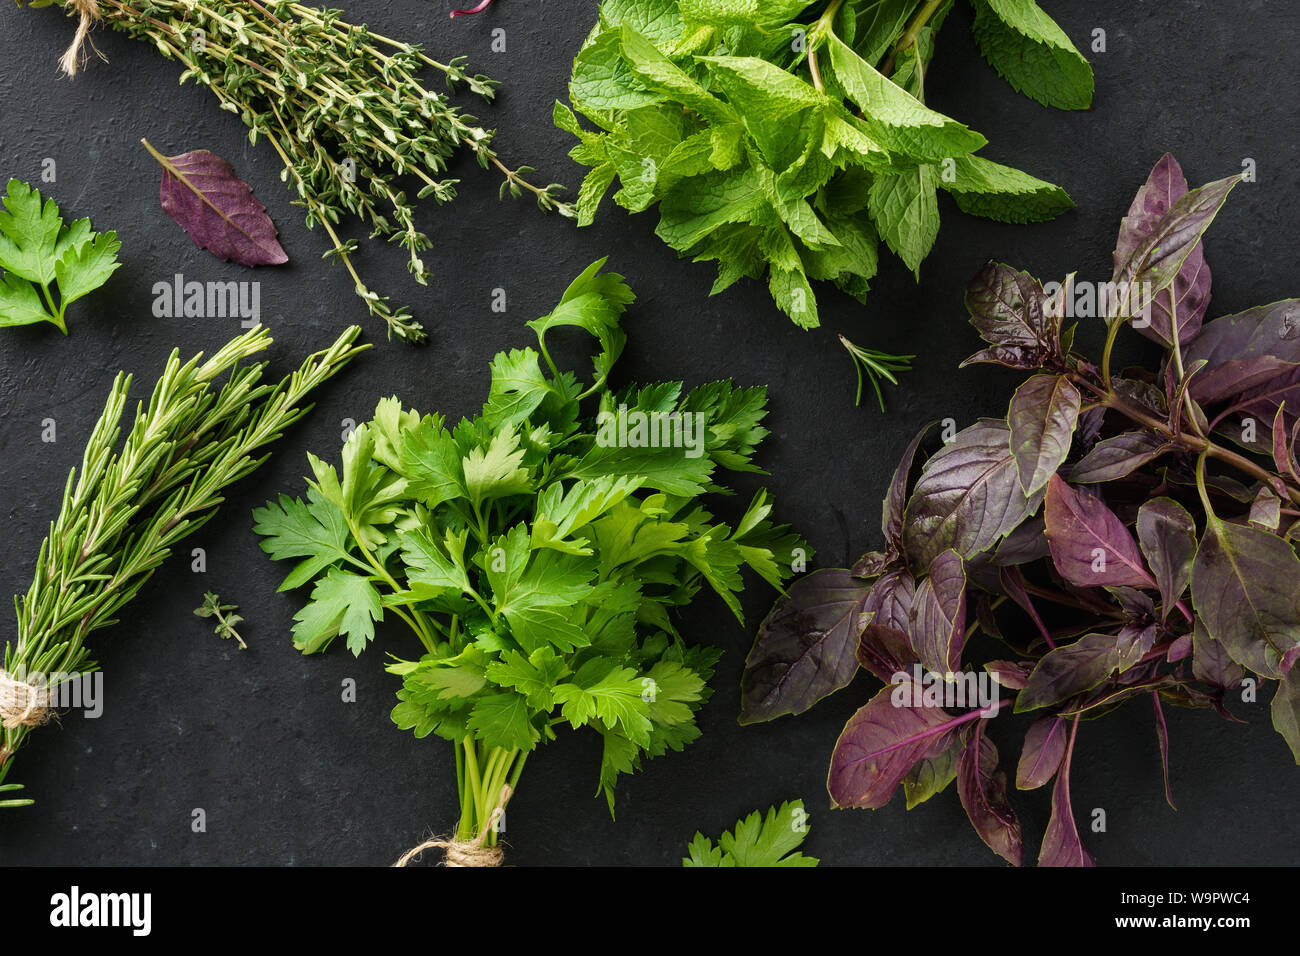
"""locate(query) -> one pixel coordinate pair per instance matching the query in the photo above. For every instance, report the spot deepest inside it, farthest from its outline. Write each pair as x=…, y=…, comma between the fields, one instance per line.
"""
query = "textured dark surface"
x=287, y=773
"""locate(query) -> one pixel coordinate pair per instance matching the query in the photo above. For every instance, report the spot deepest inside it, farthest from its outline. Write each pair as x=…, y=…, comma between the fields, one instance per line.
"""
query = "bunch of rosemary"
x=339, y=103
x=126, y=508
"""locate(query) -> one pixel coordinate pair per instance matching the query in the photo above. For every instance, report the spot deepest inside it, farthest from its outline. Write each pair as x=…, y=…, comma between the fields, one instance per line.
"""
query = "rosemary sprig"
x=343, y=108
x=873, y=366
x=125, y=510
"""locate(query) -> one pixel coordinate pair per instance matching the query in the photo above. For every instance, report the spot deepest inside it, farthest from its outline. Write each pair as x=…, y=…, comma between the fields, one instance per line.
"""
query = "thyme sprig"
x=125, y=509
x=345, y=111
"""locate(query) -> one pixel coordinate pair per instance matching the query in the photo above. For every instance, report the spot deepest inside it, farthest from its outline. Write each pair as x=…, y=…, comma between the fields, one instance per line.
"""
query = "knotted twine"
x=23, y=704
x=75, y=55
x=466, y=852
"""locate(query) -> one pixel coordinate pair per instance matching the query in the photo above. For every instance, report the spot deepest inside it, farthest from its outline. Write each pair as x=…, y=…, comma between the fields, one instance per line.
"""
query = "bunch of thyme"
x=125, y=510
x=342, y=106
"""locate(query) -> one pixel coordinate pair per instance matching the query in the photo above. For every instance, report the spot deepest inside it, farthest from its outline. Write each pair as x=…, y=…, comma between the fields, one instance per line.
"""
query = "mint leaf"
x=905, y=208
x=984, y=188
x=1032, y=53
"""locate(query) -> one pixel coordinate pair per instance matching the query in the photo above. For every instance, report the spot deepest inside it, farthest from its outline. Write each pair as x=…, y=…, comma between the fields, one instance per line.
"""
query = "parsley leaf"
x=39, y=253
x=757, y=841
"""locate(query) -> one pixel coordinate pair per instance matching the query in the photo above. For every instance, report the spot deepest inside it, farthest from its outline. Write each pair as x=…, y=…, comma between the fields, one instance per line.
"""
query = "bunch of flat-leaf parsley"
x=537, y=551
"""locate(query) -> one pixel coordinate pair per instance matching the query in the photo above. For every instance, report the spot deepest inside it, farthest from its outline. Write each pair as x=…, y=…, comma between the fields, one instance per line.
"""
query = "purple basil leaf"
x=885, y=651
x=1179, y=649
x=938, y=620
x=881, y=743
x=1159, y=257
x=1041, y=755
x=1137, y=605
x=1090, y=545
x=216, y=208
x=1117, y=457
x=1009, y=309
x=1069, y=670
x=1211, y=662
x=1011, y=674
x=1061, y=843
x=1025, y=544
x=872, y=565
x=1282, y=449
x=1266, y=511
x=1286, y=711
x=932, y=775
x=1162, y=737
x=967, y=498
x=1246, y=352
x=891, y=522
x=1042, y=416
x=983, y=791
x=884, y=647
x=1166, y=185
x=1132, y=644
x=806, y=647
x=1010, y=356
x=1244, y=586
x=1167, y=535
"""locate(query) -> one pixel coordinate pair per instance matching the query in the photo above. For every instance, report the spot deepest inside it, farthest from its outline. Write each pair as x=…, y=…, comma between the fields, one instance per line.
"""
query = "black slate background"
x=287, y=773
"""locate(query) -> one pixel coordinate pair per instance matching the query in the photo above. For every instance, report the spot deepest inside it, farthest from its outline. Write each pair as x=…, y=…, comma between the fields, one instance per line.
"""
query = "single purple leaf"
x=1266, y=511
x=1041, y=755
x=1026, y=543
x=1159, y=256
x=872, y=564
x=1069, y=670
x=884, y=647
x=1061, y=843
x=806, y=647
x=967, y=498
x=1211, y=662
x=882, y=742
x=1179, y=649
x=1285, y=710
x=983, y=791
x=932, y=775
x=1010, y=674
x=1132, y=644
x=1244, y=587
x=885, y=651
x=1009, y=309
x=1042, y=416
x=938, y=620
x=1117, y=457
x=1162, y=737
x=216, y=208
x=1090, y=545
x=891, y=523
x=1009, y=356
x=1191, y=287
x=1167, y=535
x=1246, y=352
x=1284, y=451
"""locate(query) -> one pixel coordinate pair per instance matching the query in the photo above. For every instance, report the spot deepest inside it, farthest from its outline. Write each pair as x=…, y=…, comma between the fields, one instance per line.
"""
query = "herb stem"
x=911, y=33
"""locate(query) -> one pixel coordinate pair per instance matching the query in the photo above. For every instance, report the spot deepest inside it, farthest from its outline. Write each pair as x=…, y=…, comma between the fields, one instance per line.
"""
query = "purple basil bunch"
x=1120, y=536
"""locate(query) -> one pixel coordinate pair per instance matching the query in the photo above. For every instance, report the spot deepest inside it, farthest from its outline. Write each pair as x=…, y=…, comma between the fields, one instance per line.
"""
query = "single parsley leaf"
x=341, y=603
x=757, y=841
x=38, y=253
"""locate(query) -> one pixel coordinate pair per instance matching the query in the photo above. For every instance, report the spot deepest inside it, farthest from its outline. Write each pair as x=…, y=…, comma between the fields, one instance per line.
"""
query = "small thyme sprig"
x=225, y=615
x=343, y=108
x=130, y=504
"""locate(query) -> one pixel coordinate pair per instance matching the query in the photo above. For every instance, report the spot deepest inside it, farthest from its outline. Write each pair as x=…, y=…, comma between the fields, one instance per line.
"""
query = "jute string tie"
x=466, y=852
x=75, y=55
x=23, y=704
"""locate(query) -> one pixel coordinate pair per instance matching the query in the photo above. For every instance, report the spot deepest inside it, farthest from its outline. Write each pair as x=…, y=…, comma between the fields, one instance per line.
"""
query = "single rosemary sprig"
x=126, y=508
x=872, y=366
x=343, y=108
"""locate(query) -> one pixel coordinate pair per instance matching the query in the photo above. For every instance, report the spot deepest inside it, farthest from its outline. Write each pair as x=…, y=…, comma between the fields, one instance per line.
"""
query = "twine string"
x=465, y=852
